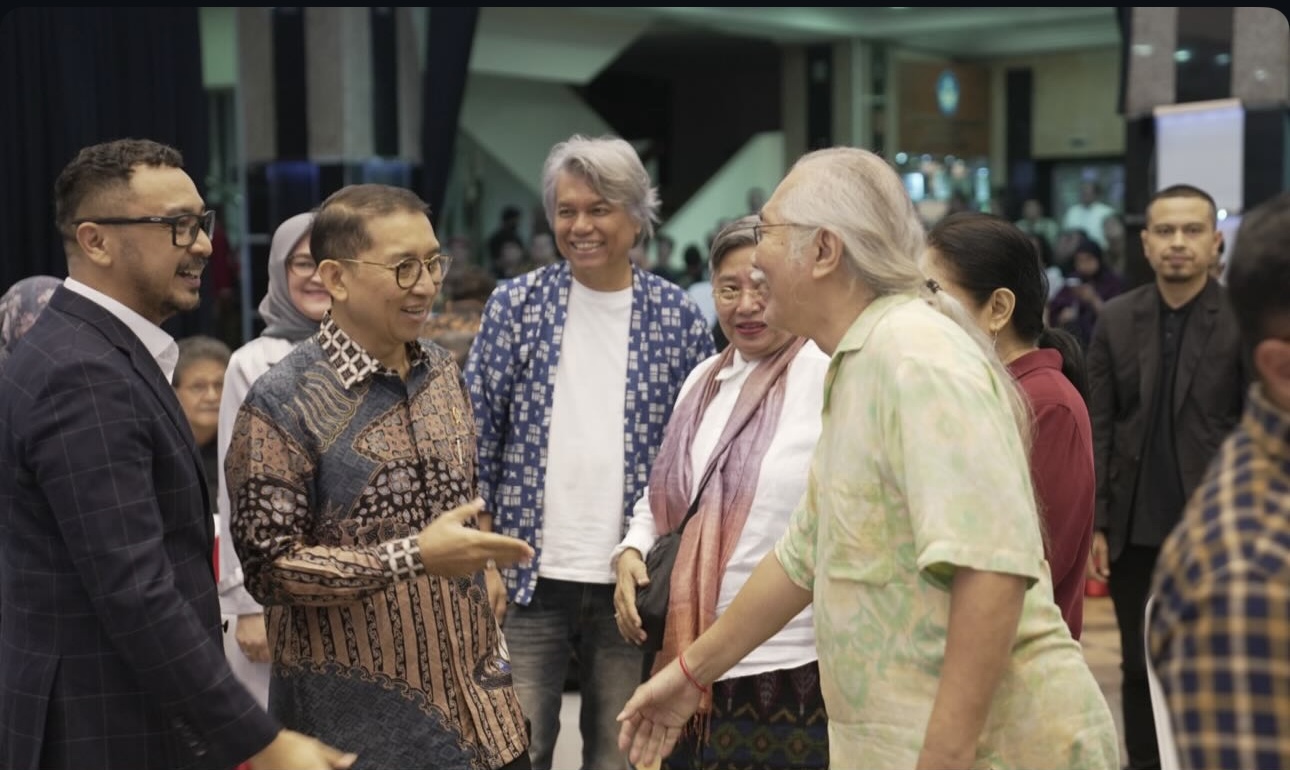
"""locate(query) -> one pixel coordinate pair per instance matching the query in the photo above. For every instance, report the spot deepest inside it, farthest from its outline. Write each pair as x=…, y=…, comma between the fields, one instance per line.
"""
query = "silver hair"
x=613, y=169
x=858, y=196
x=736, y=235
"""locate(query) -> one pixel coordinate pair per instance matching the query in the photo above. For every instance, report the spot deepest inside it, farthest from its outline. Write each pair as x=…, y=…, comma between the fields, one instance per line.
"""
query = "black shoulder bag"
x=652, y=598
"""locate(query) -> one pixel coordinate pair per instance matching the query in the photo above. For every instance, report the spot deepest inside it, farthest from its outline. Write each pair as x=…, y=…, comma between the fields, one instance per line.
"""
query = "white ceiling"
x=962, y=32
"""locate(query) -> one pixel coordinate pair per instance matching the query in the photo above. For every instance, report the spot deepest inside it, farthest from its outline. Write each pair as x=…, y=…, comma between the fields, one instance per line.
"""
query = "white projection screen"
x=1203, y=144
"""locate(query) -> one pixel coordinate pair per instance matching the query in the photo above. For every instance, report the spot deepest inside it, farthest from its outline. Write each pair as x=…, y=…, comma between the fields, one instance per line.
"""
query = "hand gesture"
x=293, y=751
x=631, y=575
x=654, y=717
x=449, y=548
x=251, y=637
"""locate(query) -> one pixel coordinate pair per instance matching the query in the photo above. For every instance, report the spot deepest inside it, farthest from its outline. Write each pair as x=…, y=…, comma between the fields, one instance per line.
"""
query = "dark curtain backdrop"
x=451, y=34
x=72, y=77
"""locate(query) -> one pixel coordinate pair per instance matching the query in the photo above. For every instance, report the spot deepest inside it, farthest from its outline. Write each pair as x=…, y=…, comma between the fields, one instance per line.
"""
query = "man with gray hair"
x=573, y=377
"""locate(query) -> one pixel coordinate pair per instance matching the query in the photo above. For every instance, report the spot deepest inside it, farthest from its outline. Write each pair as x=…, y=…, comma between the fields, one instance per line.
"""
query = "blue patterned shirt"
x=1219, y=635
x=511, y=374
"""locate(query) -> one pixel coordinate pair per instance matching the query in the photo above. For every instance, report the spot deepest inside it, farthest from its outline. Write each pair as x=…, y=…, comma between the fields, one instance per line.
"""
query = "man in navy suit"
x=110, y=646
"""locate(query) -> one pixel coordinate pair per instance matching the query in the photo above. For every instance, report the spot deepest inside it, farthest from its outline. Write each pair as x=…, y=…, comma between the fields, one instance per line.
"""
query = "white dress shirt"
x=160, y=346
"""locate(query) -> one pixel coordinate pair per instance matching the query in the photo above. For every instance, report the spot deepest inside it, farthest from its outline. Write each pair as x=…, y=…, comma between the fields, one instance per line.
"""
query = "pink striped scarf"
x=713, y=532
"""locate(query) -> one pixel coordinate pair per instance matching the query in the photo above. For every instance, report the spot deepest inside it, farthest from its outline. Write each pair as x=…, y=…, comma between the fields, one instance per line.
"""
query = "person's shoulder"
x=1125, y=302
x=259, y=354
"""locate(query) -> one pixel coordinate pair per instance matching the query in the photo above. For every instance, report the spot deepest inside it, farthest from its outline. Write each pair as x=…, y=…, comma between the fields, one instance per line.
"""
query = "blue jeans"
x=564, y=617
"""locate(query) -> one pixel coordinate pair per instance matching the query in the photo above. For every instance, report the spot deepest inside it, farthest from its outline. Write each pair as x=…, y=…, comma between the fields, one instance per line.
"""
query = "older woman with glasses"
x=740, y=441
x=292, y=308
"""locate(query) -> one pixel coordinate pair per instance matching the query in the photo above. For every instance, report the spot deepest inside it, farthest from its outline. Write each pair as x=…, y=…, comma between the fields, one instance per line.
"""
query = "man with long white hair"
x=918, y=539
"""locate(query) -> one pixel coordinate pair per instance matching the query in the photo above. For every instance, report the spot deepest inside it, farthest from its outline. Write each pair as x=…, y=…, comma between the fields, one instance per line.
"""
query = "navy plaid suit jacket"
x=110, y=645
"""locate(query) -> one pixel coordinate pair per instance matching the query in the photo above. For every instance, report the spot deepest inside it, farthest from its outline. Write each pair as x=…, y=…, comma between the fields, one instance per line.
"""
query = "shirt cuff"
x=402, y=559
x=635, y=538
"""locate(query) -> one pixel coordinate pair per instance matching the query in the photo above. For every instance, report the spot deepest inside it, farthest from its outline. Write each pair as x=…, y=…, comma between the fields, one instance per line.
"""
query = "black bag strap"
x=694, y=505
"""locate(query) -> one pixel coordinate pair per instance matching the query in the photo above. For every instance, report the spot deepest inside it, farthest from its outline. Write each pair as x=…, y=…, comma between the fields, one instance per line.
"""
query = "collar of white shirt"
x=160, y=346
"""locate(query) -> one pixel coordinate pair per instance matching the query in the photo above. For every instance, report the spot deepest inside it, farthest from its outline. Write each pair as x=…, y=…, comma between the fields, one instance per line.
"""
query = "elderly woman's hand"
x=631, y=573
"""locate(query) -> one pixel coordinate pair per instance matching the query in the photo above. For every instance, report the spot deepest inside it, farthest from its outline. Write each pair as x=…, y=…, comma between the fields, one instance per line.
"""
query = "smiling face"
x=144, y=269
x=593, y=234
x=381, y=315
x=305, y=286
x=740, y=296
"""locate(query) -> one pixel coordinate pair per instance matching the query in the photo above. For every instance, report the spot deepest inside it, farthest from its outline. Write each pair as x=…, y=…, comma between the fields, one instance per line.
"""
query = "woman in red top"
x=991, y=267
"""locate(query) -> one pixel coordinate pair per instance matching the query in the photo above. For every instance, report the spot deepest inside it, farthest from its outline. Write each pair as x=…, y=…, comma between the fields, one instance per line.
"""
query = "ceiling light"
x=1182, y=55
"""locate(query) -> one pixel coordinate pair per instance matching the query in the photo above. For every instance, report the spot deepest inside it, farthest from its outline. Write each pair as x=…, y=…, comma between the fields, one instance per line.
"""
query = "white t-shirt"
x=582, y=516
x=780, y=486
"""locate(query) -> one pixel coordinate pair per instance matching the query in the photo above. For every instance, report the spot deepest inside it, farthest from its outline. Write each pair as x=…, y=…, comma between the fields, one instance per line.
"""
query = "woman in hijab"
x=291, y=309
x=19, y=307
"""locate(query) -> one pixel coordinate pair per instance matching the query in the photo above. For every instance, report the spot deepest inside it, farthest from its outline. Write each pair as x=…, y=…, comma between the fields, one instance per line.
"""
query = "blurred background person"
x=541, y=250
x=20, y=306
x=507, y=232
x=1034, y=222
x=752, y=413
x=1113, y=235
x=1089, y=213
x=987, y=265
x=1091, y=283
x=291, y=309
x=199, y=383
x=466, y=288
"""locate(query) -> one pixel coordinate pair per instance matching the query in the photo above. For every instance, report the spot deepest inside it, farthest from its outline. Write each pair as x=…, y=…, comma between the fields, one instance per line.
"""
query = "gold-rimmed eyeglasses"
x=730, y=295
x=408, y=271
x=183, y=227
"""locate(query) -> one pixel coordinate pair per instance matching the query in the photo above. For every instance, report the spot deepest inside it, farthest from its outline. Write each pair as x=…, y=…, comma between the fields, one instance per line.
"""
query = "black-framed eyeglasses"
x=183, y=227
x=757, y=228
x=408, y=271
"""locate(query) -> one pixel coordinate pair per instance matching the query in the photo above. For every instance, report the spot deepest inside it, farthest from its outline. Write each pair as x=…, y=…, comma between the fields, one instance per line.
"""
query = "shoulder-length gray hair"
x=612, y=168
x=858, y=196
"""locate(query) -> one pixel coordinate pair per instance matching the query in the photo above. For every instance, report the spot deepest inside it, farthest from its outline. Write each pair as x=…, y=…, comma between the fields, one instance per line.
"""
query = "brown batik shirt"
x=336, y=464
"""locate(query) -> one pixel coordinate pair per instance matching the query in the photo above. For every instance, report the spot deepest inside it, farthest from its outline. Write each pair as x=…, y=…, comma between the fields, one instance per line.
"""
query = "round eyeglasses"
x=730, y=295
x=408, y=272
x=183, y=227
x=303, y=267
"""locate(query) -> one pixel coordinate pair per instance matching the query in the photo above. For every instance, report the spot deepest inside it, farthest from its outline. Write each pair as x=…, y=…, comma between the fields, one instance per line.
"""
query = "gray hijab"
x=281, y=316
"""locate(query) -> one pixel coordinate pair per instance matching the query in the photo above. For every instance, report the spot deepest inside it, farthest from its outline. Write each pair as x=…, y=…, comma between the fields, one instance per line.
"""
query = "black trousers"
x=1130, y=585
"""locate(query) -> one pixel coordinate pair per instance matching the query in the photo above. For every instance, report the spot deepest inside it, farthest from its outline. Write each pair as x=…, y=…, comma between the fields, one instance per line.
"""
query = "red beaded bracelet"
x=685, y=670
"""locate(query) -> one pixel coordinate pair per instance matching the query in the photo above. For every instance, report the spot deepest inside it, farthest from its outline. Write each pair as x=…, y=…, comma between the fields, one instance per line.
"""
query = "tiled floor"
x=1101, y=641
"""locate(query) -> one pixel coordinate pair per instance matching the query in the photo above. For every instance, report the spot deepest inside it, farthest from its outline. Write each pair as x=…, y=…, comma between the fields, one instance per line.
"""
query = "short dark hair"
x=1259, y=271
x=340, y=229
x=102, y=168
x=1186, y=191
x=196, y=348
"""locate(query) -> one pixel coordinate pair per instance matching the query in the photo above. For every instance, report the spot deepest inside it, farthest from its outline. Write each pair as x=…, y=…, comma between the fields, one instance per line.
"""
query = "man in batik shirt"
x=353, y=488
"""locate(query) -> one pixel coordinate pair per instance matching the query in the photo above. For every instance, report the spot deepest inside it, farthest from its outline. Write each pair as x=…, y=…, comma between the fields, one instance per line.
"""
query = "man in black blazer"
x=1167, y=381
x=110, y=646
